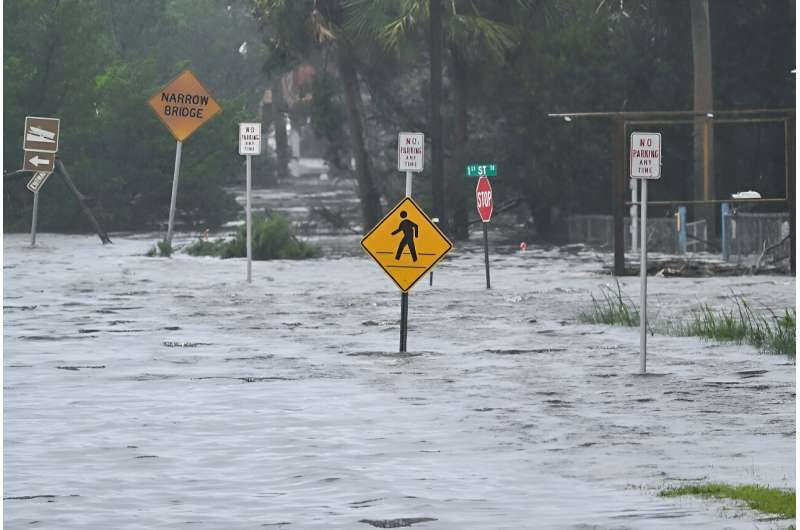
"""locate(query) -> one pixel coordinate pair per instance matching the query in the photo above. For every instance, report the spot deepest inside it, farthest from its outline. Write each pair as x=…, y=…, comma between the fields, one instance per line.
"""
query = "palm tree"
x=292, y=22
x=469, y=37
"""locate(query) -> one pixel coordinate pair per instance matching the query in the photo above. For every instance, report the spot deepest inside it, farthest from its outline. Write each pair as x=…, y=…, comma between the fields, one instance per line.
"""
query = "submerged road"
x=168, y=393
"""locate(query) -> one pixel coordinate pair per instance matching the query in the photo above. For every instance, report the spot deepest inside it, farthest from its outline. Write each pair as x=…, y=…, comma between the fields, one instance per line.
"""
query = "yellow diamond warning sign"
x=406, y=244
x=184, y=105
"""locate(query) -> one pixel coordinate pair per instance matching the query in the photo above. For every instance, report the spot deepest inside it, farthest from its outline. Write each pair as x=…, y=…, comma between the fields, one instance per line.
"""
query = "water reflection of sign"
x=410, y=151
x=184, y=105
x=406, y=244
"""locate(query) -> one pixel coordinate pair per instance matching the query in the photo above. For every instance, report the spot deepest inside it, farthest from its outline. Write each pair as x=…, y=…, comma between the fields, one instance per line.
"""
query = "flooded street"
x=168, y=393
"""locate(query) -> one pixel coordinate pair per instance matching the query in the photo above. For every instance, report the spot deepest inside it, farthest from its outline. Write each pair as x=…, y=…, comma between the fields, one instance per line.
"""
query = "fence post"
x=683, y=243
x=725, y=210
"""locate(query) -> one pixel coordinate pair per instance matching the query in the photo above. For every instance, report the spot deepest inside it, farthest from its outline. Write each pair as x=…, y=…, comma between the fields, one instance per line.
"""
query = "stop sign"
x=483, y=194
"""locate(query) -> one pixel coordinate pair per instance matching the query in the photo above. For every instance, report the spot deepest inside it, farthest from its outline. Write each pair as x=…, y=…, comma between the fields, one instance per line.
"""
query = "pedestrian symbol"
x=406, y=244
x=410, y=231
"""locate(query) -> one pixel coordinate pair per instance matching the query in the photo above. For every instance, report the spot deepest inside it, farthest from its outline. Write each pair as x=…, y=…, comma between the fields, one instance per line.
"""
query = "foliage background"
x=94, y=63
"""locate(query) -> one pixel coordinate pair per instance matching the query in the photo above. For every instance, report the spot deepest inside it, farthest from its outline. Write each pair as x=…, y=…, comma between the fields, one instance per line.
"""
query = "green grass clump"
x=761, y=498
x=611, y=309
x=741, y=324
x=272, y=239
x=205, y=248
x=162, y=249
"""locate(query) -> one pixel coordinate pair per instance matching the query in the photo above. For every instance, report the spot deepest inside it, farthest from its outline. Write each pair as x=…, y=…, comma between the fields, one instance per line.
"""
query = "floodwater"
x=168, y=393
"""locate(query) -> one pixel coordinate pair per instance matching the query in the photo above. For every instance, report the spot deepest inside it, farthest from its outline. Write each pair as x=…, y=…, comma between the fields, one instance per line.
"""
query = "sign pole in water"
x=249, y=144
x=35, y=215
x=174, y=198
x=39, y=146
x=485, y=202
x=645, y=165
x=410, y=158
x=643, y=276
x=183, y=106
x=249, y=222
x=406, y=244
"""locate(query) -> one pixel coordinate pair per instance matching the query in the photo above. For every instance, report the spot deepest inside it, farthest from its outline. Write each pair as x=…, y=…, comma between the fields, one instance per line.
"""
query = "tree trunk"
x=281, y=142
x=367, y=191
x=437, y=145
x=704, y=186
x=261, y=175
x=458, y=187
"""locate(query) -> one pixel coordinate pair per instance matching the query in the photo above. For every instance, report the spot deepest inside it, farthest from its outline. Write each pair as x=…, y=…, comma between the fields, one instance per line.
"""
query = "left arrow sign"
x=39, y=161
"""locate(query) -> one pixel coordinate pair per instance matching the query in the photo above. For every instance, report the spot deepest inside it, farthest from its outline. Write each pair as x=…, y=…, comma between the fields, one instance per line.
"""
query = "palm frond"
x=474, y=29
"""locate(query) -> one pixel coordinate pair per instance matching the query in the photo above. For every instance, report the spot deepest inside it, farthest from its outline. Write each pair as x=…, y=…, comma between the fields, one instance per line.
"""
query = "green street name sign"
x=481, y=170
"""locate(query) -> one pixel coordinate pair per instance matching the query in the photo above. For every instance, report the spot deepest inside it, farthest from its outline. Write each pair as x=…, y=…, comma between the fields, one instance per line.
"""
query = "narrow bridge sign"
x=184, y=105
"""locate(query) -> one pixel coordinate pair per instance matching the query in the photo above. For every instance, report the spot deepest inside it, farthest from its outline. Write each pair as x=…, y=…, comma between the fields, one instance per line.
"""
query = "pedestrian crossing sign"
x=406, y=244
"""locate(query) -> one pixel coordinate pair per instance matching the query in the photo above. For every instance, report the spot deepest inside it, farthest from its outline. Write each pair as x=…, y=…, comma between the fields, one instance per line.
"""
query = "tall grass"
x=612, y=308
x=741, y=324
x=770, y=333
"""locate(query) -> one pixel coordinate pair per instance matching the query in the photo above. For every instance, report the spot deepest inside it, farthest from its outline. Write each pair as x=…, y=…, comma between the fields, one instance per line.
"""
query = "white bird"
x=243, y=48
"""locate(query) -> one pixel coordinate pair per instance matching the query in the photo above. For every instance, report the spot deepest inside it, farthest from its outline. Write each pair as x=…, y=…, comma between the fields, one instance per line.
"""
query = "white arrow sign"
x=36, y=161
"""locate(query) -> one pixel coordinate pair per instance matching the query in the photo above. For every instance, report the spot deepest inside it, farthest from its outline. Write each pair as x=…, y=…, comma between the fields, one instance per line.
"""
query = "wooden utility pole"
x=619, y=179
x=704, y=185
x=436, y=36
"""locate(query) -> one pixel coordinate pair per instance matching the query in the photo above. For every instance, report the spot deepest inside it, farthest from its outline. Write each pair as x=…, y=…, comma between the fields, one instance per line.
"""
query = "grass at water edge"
x=761, y=498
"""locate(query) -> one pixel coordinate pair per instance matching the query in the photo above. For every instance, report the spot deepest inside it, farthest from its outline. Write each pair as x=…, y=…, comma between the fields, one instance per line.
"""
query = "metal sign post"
x=404, y=294
x=410, y=158
x=35, y=215
x=183, y=106
x=406, y=244
x=485, y=203
x=173, y=200
x=634, y=216
x=430, y=276
x=249, y=144
x=645, y=164
x=643, y=290
x=249, y=223
x=39, y=145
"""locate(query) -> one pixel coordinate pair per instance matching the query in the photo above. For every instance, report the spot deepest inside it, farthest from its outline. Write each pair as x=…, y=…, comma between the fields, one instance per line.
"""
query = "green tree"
x=293, y=27
x=473, y=34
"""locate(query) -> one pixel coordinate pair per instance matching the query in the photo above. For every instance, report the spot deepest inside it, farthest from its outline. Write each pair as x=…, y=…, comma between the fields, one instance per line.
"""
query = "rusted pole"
x=618, y=179
x=82, y=201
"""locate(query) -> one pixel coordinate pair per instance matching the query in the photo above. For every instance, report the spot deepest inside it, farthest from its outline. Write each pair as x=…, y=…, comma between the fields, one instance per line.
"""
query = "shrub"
x=206, y=248
x=161, y=249
x=272, y=239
